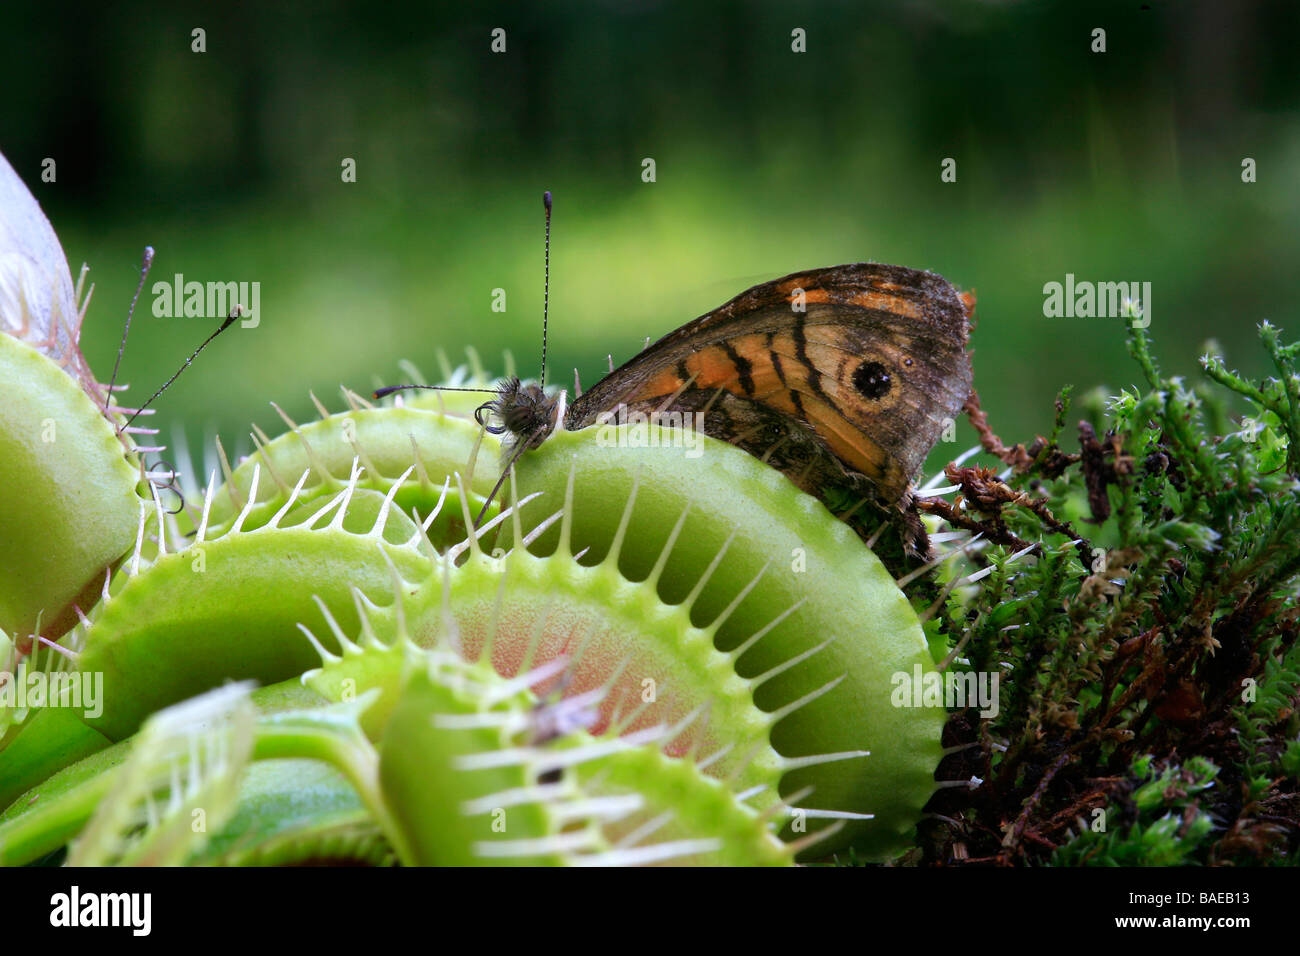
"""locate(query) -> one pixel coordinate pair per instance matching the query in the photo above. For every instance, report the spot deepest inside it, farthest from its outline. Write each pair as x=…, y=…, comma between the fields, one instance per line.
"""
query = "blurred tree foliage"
x=1120, y=166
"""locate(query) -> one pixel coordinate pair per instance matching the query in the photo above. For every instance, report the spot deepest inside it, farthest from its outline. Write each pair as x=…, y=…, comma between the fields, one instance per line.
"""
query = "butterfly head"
x=524, y=412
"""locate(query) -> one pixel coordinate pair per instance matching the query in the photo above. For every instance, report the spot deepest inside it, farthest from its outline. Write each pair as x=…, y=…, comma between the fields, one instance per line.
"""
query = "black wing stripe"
x=744, y=367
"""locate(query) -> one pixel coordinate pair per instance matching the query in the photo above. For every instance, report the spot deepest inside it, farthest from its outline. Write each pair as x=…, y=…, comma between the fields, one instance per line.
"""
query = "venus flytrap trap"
x=459, y=766
x=469, y=768
x=650, y=665
x=496, y=806
x=177, y=626
x=761, y=566
x=72, y=479
x=69, y=473
x=50, y=814
x=475, y=768
x=423, y=448
x=202, y=611
x=182, y=775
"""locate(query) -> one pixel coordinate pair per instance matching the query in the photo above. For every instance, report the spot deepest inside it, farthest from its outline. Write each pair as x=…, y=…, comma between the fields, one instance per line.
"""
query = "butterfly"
x=843, y=378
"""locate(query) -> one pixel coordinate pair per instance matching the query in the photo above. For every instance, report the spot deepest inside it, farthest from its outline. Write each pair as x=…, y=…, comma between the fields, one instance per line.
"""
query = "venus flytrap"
x=303, y=788
x=422, y=447
x=69, y=473
x=203, y=611
x=183, y=769
x=567, y=800
x=654, y=655
x=296, y=812
x=334, y=509
x=616, y=638
x=70, y=503
x=459, y=766
x=684, y=810
x=48, y=815
x=162, y=633
x=762, y=565
x=475, y=768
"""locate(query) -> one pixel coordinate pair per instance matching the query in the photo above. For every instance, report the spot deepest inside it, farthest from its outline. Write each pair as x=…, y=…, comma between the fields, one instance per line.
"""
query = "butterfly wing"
x=848, y=371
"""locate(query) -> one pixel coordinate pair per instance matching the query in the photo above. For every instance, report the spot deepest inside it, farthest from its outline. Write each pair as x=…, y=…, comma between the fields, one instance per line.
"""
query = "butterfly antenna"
x=389, y=389
x=546, y=280
x=144, y=272
x=235, y=313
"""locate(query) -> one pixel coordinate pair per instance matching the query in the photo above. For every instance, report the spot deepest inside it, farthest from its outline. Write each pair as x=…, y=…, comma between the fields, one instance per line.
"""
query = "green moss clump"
x=1157, y=615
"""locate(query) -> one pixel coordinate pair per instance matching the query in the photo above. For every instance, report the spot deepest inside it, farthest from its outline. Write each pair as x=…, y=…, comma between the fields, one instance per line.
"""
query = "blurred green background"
x=1122, y=166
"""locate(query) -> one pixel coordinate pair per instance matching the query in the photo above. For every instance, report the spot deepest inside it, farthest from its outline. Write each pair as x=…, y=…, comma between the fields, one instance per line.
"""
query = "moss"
x=1156, y=628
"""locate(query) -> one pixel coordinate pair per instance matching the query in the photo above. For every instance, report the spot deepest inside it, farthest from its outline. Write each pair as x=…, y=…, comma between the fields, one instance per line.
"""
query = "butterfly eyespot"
x=872, y=380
